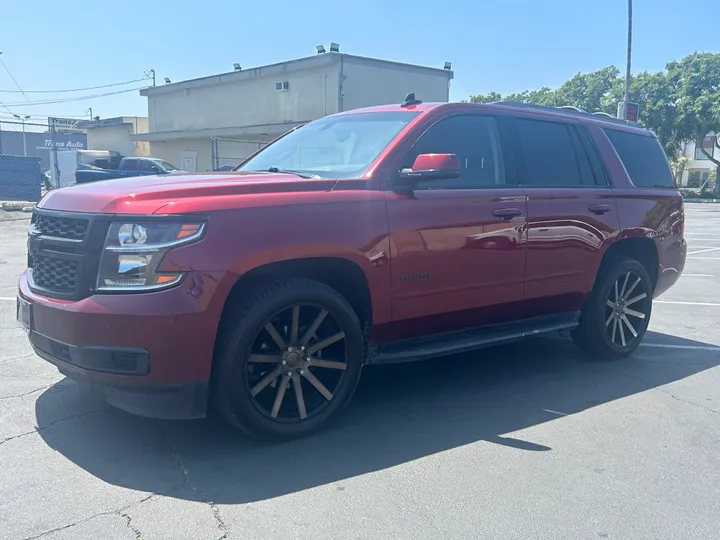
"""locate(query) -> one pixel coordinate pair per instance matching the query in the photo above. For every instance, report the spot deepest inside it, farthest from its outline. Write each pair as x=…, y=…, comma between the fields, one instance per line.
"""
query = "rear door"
x=458, y=245
x=129, y=167
x=572, y=214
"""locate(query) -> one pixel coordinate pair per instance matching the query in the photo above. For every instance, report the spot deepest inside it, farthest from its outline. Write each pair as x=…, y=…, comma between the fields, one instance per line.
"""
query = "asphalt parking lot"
x=528, y=441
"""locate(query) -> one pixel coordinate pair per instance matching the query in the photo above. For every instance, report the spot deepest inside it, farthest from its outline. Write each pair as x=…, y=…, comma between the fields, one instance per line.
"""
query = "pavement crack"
x=6, y=360
x=138, y=534
x=221, y=525
x=651, y=386
x=39, y=429
x=27, y=393
x=17, y=436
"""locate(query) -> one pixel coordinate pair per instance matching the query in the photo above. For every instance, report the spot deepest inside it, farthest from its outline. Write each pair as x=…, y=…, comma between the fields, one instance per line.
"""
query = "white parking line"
x=703, y=250
x=697, y=275
x=8, y=298
x=685, y=303
x=691, y=347
x=705, y=258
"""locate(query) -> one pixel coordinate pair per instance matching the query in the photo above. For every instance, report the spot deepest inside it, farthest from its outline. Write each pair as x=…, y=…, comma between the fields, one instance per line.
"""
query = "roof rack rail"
x=566, y=109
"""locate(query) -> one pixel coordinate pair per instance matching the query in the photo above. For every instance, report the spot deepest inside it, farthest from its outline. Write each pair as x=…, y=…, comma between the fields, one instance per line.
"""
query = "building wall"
x=231, y=153
x=117, y=138
x=247, y=101
x=372, y=83
x=697, y=165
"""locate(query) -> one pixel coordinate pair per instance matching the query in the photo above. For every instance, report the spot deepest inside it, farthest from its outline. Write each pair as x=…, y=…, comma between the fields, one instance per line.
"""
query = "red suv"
x=387, y=234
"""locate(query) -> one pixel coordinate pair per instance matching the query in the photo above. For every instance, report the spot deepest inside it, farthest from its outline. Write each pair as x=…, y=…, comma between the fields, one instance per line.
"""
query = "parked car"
x=129, y=166
x=380, y=235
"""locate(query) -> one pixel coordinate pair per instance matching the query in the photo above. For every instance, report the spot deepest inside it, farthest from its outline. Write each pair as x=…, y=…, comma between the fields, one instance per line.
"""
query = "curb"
x=701, y=201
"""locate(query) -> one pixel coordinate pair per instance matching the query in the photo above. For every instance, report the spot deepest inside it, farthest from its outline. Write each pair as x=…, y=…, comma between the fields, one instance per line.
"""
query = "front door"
x=458, y=245
x=572, y=215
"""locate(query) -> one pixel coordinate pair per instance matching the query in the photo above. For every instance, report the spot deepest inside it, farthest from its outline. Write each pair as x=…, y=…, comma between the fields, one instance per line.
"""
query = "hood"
x=148, y=194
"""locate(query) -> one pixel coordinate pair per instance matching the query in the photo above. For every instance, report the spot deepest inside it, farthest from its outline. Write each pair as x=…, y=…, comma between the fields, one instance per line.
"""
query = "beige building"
x=116, y=134
x=217, y=121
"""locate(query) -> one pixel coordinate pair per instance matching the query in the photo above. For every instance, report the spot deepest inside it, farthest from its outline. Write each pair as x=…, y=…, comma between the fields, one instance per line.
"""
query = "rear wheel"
x=616, y=317
x=291, y=360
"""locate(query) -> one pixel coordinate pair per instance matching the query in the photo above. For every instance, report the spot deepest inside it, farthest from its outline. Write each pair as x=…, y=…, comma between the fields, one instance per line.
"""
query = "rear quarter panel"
x=647, y=212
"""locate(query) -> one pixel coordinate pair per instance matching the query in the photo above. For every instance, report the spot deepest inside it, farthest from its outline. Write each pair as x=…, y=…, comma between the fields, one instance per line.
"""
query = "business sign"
x=15, y=143
x=631, y=112
x=65, y=125
x=105, y=122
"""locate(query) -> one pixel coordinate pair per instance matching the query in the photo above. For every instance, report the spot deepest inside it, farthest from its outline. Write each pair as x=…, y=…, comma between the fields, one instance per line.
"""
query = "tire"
x=246, y=386
x=603, y=331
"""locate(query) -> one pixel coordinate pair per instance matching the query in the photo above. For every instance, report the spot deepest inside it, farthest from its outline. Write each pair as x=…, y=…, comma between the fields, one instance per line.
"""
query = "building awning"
x=260, y=132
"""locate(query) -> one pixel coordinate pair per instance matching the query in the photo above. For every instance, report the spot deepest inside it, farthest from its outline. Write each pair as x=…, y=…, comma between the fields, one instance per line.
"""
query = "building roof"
x=298, y=64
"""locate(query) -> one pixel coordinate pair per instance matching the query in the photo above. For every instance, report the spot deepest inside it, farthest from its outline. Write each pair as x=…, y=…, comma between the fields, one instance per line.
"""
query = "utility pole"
x=90, y=111
x=626, y=100
x=23, y=119
x=152, y=71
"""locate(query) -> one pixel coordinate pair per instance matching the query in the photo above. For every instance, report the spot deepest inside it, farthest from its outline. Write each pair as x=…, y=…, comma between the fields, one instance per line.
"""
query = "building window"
x=281, y=86
x=696, y=179
x=708, y=143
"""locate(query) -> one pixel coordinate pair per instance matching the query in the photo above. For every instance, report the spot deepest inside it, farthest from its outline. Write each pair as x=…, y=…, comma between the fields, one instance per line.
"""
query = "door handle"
x=599, y=209
x=506, y=213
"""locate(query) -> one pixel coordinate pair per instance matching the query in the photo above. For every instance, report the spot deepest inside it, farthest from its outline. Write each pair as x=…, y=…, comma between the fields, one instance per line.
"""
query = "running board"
x=411, y=350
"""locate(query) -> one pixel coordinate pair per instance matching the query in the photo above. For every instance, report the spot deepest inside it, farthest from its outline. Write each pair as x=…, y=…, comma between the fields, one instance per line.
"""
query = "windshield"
x=165, y=165
x=334, y=147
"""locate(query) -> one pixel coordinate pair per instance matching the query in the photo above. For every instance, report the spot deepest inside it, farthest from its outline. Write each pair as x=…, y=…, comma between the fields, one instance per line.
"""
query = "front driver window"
x=475, y=141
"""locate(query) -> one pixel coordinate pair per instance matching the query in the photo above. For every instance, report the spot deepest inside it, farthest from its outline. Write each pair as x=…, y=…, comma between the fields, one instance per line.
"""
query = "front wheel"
x=291, y=359
x=617, y=314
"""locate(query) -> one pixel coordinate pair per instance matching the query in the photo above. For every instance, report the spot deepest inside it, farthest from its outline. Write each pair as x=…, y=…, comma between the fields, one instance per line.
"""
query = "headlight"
x=134, y=249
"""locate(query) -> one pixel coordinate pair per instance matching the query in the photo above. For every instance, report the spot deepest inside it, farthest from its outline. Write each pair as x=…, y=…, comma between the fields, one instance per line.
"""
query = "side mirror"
x=433, y=167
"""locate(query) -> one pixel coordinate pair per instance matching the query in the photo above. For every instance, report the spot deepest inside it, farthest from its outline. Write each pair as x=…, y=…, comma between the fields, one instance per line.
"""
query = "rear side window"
x=130, y=164
x=552, y=155
x=643, y=157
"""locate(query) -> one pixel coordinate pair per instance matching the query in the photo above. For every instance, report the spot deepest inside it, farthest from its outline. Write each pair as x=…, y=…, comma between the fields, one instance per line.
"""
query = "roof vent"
x=410, y=100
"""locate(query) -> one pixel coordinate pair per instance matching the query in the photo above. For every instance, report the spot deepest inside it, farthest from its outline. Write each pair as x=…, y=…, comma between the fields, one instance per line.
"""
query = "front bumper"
x=149, y=354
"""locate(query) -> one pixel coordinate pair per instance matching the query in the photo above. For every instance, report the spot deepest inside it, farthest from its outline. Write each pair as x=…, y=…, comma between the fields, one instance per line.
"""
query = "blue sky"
x=503, y=45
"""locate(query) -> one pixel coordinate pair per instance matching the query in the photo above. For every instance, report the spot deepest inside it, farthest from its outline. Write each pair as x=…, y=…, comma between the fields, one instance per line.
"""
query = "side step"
x=411, y=350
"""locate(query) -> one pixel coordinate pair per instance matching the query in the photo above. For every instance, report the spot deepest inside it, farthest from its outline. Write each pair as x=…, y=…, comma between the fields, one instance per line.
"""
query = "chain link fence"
x=25, y=150
x=229, y=153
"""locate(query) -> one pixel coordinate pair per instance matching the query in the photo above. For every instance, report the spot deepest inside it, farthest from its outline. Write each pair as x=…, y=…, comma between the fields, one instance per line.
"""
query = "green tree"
x=696, y=84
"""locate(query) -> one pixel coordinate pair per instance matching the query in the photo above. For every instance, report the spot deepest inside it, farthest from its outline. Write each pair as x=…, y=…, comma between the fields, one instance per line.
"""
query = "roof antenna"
x=410, y=100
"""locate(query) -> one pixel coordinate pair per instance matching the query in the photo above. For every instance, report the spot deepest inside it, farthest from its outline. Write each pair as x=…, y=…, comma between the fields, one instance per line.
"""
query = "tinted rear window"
x=643, y=158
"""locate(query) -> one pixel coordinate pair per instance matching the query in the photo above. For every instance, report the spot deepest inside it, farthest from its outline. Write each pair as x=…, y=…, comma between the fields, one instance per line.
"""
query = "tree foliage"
x=680, y=103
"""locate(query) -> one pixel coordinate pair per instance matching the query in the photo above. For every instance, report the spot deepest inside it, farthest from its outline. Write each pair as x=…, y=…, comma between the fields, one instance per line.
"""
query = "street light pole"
x=627, y=67
x=23, y=120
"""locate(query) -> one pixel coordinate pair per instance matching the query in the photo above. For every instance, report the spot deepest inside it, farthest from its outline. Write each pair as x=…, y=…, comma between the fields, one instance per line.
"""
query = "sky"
x=503, y=45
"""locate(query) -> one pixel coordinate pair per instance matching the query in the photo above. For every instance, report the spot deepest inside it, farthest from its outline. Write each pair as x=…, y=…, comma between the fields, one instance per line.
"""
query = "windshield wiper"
x=288, y=171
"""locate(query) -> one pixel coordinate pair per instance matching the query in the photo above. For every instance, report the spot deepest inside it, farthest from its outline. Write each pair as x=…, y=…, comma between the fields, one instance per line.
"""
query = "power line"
x=6, y=108
x=13, y=78
x=68, y=100
x=73, y=89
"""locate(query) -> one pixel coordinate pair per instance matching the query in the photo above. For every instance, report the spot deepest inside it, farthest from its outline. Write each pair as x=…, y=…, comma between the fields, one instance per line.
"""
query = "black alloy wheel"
x=296, y=363
x=616, y=316
x=626, y=310
x=291, y=359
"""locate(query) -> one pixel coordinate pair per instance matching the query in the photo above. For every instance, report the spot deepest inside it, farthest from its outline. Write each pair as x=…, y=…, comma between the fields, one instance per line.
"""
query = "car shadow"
x=400, y=413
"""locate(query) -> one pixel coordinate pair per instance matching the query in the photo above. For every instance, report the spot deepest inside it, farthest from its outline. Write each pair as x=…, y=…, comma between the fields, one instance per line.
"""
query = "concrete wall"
x=370, y=83
x=248, y=101
x=117, y=138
